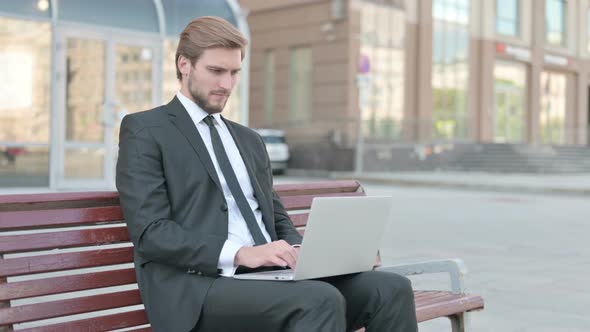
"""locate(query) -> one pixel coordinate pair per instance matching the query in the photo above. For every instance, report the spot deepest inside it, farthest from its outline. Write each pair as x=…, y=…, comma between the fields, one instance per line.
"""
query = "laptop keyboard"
x=278, y=272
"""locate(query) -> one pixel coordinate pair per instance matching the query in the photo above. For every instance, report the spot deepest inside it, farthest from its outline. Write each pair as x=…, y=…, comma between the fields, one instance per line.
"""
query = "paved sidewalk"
x=564, y=184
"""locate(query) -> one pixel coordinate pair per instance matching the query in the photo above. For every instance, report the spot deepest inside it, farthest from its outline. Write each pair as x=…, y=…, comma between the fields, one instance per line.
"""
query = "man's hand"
x=377, y=261
x=277, y=253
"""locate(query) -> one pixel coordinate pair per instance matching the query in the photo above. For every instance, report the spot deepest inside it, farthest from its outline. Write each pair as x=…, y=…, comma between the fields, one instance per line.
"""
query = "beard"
x=200, y=97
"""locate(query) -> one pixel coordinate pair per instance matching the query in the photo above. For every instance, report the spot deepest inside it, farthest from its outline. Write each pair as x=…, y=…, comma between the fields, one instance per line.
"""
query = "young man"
x=196, y=191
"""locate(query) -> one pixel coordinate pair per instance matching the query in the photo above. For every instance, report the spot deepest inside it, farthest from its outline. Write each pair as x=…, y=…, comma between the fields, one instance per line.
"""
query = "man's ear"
x=184, y=65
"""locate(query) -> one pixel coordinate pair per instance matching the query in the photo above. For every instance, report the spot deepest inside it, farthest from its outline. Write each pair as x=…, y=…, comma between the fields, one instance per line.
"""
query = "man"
x=196, y=191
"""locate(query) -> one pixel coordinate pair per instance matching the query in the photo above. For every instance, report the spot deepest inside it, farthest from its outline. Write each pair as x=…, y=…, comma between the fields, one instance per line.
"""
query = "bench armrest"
x=454, y=267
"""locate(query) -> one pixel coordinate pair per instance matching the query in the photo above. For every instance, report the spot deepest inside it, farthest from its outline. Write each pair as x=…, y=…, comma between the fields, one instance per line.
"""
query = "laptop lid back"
x=342, y=236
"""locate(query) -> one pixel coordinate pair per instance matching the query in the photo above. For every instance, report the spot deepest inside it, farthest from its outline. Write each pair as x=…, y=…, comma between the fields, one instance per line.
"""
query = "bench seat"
x=66, y=262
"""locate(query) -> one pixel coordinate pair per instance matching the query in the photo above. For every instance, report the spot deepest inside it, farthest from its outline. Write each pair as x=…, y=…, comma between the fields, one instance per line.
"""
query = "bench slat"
x=38, y=311
x=304, y=202
x=300, y=219
x=429, y=295
x=57, y=197
x=23, y=220
x=58, y=285
x=66, y=239
x=96, y=324
x=443, y=308
x=436, y=298
x=316, y=188
x=49, y=263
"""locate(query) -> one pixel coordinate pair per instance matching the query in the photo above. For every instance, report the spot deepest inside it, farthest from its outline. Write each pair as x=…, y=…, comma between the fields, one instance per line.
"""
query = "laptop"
x=328, y=248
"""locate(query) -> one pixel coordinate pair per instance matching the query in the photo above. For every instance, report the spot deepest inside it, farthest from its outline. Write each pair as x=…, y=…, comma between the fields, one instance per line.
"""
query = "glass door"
x=510, y=102
x=101, y=78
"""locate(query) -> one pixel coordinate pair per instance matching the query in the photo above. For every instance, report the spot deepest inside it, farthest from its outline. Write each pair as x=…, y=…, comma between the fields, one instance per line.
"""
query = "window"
x=509, y=102
x=555, y=22
x=25, y=81
x=553, y=104
x=300, y=85
x=269, y=86
x=450, y=64
x=507, y=17
x=381, y=78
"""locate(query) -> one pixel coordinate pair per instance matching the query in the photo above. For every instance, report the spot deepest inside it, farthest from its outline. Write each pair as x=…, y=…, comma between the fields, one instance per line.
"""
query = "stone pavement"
x=553, y=184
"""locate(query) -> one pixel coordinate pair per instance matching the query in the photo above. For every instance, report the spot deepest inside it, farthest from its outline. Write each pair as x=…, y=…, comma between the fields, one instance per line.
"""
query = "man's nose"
x=226, y=81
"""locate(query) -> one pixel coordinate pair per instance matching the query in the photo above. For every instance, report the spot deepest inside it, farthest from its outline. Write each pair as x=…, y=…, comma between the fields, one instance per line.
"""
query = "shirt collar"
x=194, y=111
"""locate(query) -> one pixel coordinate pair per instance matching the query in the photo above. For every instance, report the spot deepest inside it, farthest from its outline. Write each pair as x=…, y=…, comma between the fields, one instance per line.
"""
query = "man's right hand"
x=277, y=253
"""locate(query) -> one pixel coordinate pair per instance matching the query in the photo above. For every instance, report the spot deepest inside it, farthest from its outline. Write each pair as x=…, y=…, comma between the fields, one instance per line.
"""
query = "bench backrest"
x=66, y=259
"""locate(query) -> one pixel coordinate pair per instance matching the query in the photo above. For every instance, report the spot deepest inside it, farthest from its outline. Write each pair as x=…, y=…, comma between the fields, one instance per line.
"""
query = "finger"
x=277, y=261
x=288, y=256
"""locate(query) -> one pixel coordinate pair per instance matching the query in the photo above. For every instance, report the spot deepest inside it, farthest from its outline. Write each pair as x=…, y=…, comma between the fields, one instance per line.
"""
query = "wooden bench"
x=65, y=262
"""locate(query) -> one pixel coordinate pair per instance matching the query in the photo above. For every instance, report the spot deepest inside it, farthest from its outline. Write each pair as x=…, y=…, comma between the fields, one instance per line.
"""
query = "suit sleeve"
x=283, y=224
x=142, y=189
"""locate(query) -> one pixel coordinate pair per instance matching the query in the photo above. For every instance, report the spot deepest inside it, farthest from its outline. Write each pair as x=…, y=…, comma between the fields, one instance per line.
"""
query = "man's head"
x=208, y=61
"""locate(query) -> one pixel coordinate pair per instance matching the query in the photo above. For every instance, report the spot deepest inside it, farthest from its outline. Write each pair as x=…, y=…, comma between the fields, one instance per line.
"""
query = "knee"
x=393, y=286
x=325, y=296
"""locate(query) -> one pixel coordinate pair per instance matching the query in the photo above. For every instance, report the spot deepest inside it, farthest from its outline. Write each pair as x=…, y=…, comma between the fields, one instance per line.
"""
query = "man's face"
x=210, y=81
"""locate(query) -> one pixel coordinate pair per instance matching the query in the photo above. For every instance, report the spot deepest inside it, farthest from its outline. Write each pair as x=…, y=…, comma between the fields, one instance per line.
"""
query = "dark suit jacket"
x=175, y=210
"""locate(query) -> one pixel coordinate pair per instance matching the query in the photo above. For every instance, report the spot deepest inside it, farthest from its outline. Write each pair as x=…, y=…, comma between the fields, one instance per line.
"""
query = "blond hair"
x=208, y=32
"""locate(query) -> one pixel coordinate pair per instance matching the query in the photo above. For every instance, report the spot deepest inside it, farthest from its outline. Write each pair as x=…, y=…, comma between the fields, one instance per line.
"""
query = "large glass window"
x=510, y=102
x=300, y=85
x=170, y=84
x=555, y=22
x=450, y=62
x=553, y=105
x=24, y=102
x=507, y=17
x=381, y=67
x=269, y=86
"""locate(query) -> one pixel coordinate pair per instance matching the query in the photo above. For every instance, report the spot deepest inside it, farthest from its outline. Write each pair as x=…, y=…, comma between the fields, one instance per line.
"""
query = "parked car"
x=277, y=148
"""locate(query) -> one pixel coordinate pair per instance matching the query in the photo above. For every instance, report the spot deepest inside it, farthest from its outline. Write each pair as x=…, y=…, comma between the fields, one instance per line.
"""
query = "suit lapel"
x=180, y=118
x=260, y=195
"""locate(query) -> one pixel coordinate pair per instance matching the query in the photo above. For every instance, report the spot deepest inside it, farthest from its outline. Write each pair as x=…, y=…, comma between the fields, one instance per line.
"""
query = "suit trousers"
x=379, y=301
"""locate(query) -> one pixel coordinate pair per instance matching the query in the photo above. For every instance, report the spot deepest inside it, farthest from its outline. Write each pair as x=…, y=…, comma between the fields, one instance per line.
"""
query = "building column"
x=534, y=91
x=411, y=66
x=481, y=71
x=424, y=73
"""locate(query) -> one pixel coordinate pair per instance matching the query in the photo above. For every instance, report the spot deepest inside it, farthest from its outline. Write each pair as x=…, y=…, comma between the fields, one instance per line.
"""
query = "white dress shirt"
x=238, y=233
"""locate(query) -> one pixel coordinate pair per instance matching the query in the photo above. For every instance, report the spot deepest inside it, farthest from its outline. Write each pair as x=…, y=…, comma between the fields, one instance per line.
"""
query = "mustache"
x=221, y=92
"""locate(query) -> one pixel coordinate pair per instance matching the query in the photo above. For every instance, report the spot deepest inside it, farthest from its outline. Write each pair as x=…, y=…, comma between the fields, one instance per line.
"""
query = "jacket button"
x=224, y=207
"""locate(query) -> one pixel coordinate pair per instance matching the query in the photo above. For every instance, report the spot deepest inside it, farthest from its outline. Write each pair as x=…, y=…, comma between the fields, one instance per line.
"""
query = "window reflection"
x=555, y=22
x=450, y=57
x=24, y=81
x=300, y=85
x=24, y=166
x=507, y=17
x=553, y=104
x=510, y=105
x=85, y=70
x=133, y=85
x=381, y=67
x=24, y=103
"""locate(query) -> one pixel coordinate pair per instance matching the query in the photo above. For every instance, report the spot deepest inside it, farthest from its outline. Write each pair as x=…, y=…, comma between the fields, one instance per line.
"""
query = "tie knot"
x=209, y=121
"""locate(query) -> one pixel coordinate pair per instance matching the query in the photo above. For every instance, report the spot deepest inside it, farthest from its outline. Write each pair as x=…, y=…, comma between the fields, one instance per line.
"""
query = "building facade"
x=70, y=70
x=418, y=76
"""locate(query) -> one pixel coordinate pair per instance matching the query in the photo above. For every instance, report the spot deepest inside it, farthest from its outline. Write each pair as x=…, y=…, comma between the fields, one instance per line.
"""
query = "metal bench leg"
x=458, y=322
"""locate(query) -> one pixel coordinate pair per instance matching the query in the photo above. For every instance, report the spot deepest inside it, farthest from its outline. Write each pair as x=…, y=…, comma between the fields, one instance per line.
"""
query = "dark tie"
x=233, y=184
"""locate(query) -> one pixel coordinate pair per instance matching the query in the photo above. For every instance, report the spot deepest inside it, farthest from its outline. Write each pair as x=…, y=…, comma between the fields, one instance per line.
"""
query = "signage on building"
x=518, y=53
x=556, y=60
